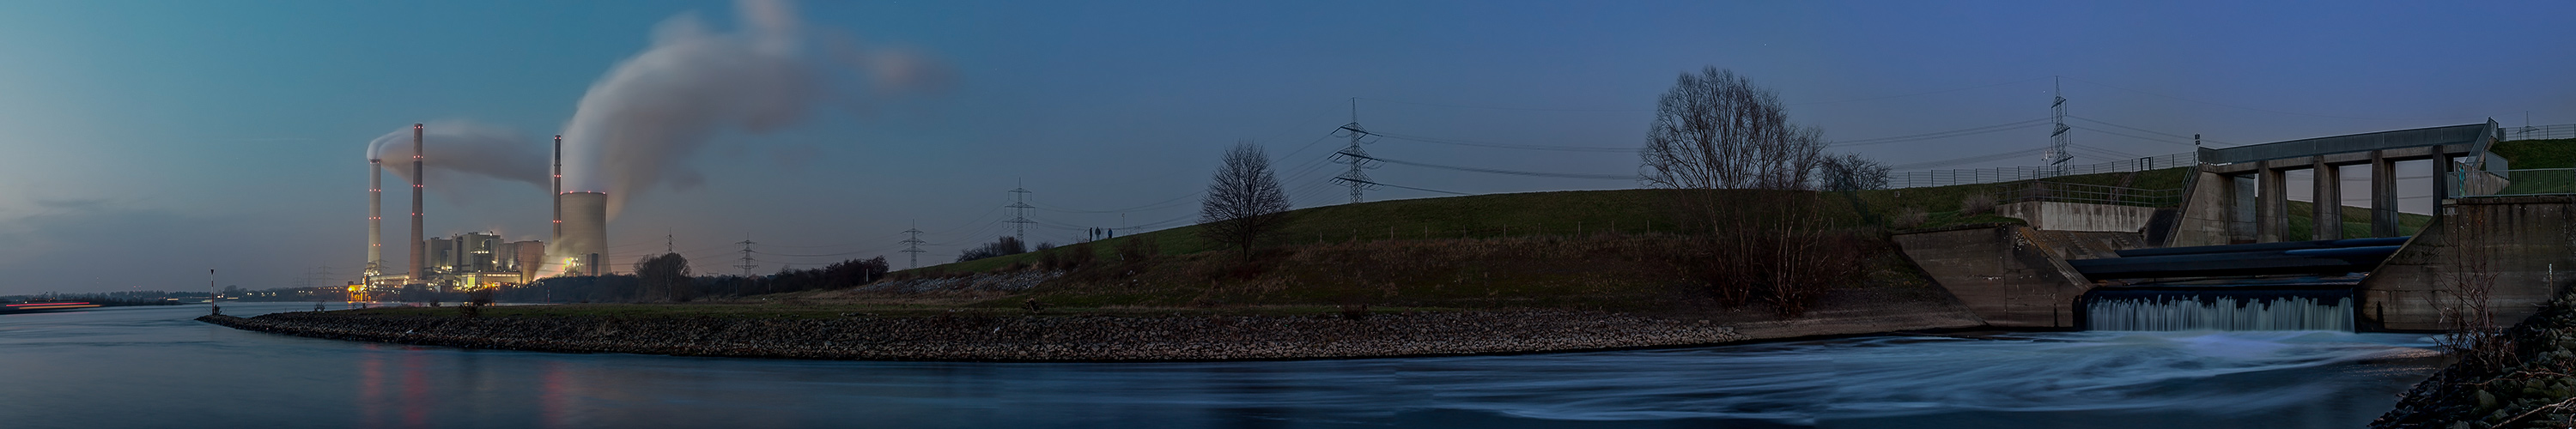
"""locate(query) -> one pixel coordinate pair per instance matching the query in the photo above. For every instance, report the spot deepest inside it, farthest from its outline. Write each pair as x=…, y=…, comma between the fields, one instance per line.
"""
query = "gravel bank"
x=1022, y=338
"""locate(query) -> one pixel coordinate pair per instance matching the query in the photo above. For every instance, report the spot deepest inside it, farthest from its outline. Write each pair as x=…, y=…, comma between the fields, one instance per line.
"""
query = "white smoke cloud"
x=464, y=148
x=639, y=123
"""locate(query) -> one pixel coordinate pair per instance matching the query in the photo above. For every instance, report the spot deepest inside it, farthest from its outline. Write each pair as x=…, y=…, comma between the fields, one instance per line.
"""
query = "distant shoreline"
x=1084, y=338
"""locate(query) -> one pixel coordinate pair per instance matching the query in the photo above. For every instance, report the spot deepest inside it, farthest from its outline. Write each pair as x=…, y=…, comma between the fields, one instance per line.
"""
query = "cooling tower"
x=584, y=244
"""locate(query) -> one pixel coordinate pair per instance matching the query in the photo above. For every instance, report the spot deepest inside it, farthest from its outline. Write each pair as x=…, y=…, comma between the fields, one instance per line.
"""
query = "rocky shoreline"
x=2531, y=384
x=1034, y=338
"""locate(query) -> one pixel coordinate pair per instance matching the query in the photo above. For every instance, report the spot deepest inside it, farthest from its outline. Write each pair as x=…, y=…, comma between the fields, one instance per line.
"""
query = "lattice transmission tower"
x=1020, y=223
x=913, y=245
x=2057, y=138
x=1357, y=176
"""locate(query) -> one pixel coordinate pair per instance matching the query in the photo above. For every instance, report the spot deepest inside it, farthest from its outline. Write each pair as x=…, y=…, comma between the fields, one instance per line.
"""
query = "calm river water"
x=153, y=367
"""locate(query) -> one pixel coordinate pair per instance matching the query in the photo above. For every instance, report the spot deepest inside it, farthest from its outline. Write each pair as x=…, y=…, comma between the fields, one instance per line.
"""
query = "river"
x=154, y=367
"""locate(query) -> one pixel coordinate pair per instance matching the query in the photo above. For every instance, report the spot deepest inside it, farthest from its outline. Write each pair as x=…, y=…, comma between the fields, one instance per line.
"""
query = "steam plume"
x=457, y=147
x=638, y=124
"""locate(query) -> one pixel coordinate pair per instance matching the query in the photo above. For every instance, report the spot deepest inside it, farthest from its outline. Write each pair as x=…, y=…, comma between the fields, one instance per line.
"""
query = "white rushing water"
x=2190, y=312
x=96, y=368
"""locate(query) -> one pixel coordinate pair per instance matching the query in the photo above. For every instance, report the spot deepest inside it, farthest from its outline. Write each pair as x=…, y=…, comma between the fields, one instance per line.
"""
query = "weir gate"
x=2222, y=256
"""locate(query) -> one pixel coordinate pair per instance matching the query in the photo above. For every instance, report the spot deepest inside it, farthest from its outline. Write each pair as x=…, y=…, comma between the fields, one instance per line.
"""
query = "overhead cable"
x=1499, y=171
x=1943, y=134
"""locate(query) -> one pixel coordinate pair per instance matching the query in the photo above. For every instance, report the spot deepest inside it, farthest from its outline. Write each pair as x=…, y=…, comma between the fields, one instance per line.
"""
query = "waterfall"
x=2169, y=310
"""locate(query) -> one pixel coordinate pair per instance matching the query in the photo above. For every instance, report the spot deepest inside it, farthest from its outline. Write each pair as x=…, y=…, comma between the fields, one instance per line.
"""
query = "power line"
x=1551, y=109
x=1156, y=205
x=1509, y=146
x=1417, y=189
x=1919, y=93
x=1462, y=106
x=2212, y=103
x=1968, y=159
x=1989, y=129
x=1855, y=142
x=2130, y=128
x=2116, y=133
x=1497, y=171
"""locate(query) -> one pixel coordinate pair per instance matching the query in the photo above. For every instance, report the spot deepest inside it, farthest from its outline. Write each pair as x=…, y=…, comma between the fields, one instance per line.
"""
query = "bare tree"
x=1244, y=201
x=1739, y=168
x=1715, y=130
x=1851, y=172
x=666, y=277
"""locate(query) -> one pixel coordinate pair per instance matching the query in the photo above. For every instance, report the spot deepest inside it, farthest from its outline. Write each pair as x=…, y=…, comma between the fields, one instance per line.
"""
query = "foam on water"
x=2195, y=311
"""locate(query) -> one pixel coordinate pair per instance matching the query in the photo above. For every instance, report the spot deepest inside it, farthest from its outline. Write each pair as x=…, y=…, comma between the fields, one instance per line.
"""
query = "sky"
x=142, y=143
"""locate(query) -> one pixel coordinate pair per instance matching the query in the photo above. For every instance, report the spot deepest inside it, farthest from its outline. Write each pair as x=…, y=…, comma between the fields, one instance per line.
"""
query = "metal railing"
x=1920, y=179
x=2560, y=131
x=2086, y=193
x=2536, y=181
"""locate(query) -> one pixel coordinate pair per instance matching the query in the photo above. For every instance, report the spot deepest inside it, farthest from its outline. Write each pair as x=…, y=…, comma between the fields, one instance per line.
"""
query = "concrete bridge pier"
x=2383, y=195
x=2272, y=203
x=2211, y=210
x=2329, y=200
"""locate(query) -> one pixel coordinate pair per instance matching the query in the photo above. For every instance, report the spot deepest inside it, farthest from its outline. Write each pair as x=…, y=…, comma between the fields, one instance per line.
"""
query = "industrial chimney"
x=419, y=246
x=375, y=217
x=584, y=241
x=557, y=196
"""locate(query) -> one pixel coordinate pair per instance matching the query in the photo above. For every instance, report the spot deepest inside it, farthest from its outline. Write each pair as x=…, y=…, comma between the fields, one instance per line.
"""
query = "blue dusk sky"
x=144, y=142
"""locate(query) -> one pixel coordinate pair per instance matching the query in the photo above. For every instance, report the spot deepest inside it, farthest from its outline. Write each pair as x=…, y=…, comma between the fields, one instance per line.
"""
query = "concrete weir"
x=2006, y=274
x=2226, y=264
x=2515, y=246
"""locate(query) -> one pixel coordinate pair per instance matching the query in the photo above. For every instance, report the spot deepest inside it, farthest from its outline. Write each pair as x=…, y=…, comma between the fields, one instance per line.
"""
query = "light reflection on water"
x=154, y=367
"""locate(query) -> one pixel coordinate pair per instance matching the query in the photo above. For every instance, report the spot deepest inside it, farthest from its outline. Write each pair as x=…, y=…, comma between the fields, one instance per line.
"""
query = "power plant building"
x=478, y=260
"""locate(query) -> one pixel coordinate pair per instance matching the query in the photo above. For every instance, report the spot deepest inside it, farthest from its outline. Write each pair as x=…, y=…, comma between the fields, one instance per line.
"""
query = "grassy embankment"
x=1574, y=249
x=2540, y=154
x=1592, y=250
x=1605, y=250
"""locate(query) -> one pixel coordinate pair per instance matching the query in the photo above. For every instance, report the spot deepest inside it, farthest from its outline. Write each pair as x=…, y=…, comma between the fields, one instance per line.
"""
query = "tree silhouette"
x=1244, y=201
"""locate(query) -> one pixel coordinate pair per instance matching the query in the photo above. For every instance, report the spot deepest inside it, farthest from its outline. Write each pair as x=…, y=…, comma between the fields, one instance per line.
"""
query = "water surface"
x=154, y=367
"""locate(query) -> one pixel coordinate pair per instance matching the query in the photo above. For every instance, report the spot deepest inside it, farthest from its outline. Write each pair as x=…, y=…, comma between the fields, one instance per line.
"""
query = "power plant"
x=476, y=260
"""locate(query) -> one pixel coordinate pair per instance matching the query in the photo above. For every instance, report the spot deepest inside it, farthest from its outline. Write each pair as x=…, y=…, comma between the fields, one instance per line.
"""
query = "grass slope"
x=1564, y=213
x=2540, y=154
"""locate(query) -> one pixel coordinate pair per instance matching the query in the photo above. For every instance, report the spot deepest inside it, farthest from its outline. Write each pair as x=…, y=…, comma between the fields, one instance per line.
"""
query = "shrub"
x=1909, y=217
x=1066, y=258
x=1004, y=246
x=1785, y=268
x=1977, y=203
x=1137, y=249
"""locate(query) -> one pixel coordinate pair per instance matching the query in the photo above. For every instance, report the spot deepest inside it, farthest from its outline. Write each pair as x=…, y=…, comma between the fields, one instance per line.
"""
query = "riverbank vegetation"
x=2523, y=378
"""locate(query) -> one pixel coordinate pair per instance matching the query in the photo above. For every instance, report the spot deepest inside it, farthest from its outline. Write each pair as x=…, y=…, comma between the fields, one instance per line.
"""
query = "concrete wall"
x=2206, y=216
x=2522, y=242
x=2003, y=273
x=2063, y=216
x=2073, y=245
